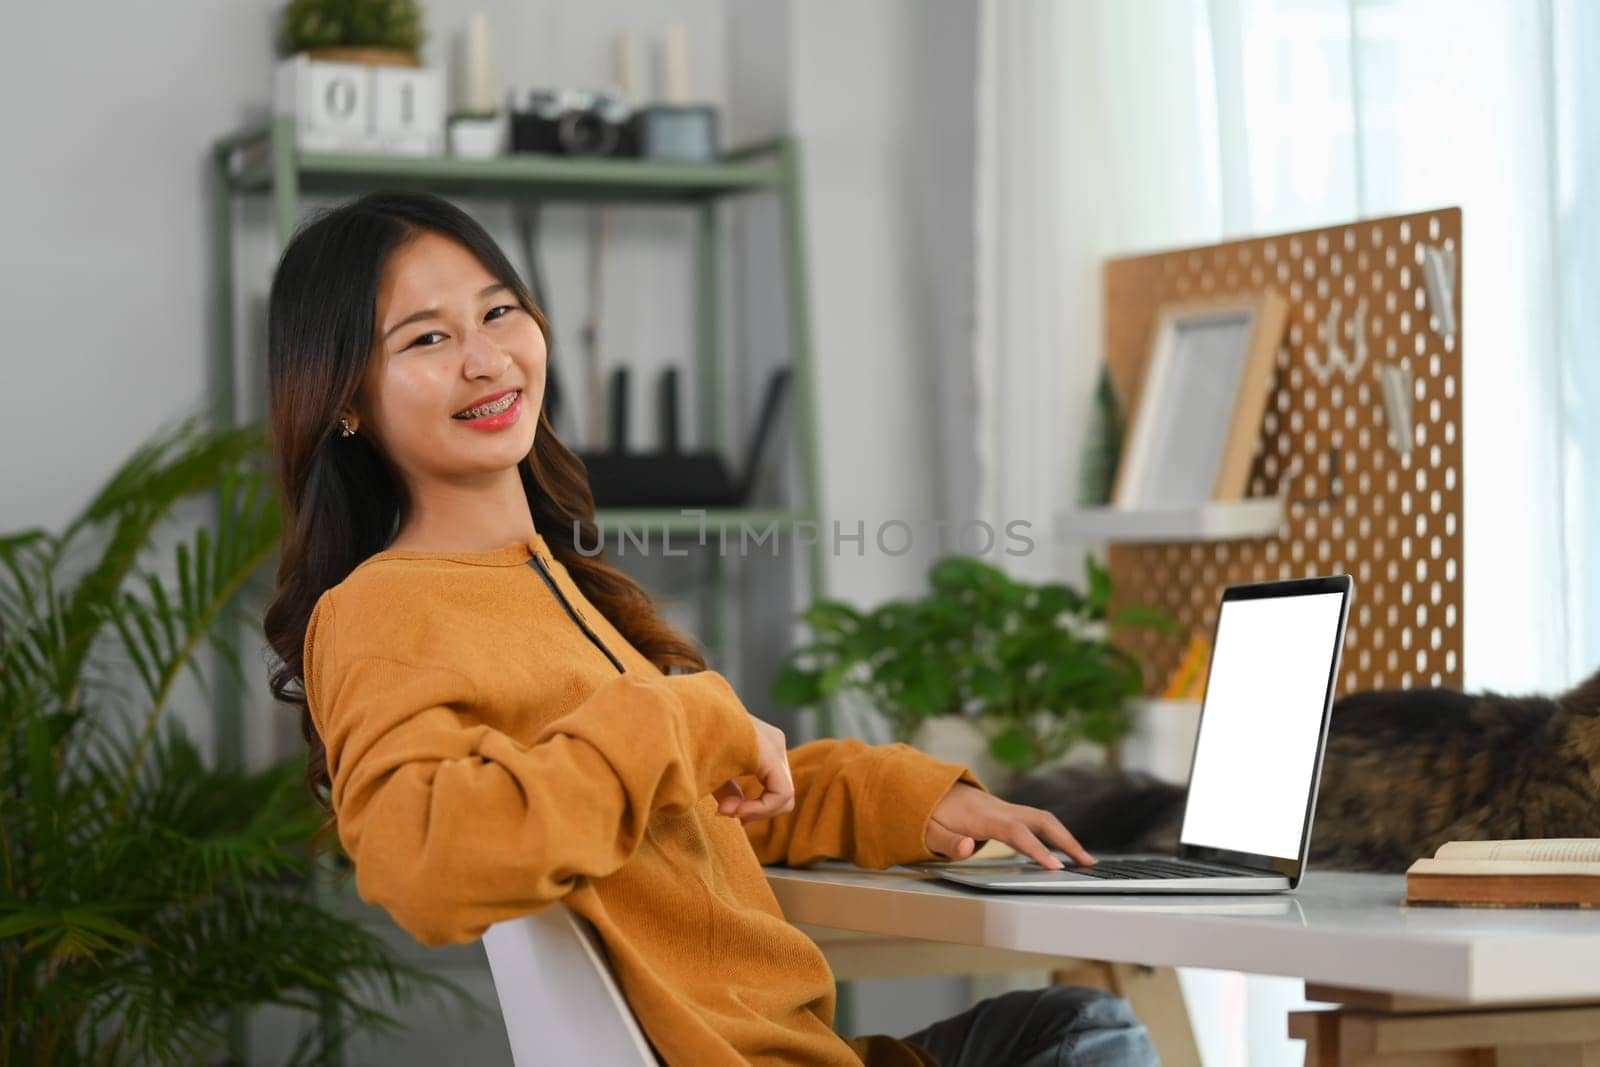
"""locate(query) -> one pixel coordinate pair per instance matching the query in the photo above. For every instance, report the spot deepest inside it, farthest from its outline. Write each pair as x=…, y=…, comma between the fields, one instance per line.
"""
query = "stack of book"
x=1558, y=872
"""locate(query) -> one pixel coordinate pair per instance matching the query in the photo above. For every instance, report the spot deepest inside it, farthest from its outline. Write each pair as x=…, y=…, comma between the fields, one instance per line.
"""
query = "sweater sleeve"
x=453, y=825
x=867, y=804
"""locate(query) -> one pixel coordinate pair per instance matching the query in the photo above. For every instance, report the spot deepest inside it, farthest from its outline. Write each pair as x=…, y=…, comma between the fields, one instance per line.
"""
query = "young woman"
x=498, y=722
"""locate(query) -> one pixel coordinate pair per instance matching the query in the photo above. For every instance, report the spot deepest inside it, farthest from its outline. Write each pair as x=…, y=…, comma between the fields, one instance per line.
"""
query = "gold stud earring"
x=347, y=430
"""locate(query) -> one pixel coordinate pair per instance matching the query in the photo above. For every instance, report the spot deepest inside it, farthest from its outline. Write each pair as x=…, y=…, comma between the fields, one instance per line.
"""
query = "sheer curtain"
x=1344, y=110
x=1115, y=126
x=1075, y=160
x=1109, y=127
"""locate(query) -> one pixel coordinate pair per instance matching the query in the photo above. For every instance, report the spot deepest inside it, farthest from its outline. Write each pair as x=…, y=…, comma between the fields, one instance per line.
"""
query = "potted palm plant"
x=149, y=896
x=1026, y=670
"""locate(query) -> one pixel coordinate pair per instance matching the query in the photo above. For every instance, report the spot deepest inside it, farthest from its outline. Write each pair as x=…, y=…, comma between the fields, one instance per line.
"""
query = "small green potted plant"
x=375, y=32
x=1029, y=668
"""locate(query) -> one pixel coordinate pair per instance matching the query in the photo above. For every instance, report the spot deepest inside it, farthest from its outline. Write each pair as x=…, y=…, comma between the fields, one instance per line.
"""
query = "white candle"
x=677, y=64
x=627, y=69
x=480, y=65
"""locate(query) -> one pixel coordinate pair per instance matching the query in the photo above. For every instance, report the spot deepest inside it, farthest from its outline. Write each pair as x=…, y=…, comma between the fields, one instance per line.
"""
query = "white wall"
x=104, y=263
x=881, y=97
x=889, y=188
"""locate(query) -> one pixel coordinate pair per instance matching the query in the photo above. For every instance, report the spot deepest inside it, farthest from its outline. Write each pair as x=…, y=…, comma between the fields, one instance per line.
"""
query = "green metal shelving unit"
x=264, y=160
x=273, y=166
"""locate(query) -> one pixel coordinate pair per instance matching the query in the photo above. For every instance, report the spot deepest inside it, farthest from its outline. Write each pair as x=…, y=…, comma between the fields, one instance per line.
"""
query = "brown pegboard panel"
x=1395, y=523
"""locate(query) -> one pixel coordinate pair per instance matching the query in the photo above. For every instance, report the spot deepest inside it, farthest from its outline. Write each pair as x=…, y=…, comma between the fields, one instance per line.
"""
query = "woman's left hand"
x=968, y=815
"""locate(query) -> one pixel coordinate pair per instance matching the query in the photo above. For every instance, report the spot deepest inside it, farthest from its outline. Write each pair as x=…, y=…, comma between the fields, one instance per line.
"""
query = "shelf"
x=263, y=159
x=749, y=169
x=1223, y=520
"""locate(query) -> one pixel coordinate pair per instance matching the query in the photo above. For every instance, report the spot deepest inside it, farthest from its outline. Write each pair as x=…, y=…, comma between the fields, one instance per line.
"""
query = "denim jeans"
x=1056, y=1026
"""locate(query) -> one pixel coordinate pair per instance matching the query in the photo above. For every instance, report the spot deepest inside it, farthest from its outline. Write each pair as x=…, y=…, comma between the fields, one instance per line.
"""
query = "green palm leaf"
x=180, y=463
x=162, y=636
x=136, y=876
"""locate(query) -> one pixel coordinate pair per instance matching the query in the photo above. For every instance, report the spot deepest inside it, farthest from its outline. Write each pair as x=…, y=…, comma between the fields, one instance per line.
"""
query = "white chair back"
x=560, y=1000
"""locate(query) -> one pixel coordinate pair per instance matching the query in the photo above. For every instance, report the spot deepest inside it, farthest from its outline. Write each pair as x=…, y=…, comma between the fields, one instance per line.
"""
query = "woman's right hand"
x=777, y=784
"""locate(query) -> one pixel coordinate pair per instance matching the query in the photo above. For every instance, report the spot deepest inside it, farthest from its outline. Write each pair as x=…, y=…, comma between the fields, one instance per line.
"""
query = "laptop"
x=1257, y=757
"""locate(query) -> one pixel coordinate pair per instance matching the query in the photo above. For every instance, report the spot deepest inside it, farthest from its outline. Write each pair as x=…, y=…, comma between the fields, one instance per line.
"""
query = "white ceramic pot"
x=477, y=138
x=955, y=739
x=1162, y=739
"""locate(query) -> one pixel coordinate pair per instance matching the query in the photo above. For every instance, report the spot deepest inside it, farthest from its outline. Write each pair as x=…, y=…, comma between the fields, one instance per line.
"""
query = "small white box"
x=354, y=107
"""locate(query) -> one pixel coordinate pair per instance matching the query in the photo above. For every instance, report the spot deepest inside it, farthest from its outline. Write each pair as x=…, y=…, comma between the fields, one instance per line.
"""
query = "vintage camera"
x=572, y=122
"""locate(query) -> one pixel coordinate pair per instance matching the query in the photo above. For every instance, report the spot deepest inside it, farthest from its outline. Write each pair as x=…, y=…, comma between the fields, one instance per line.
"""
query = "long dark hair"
x=342, y=498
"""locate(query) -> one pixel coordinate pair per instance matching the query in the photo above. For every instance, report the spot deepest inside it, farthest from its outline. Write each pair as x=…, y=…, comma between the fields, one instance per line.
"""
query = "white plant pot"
x=958, y=740
x=1162, y=739
x=477, y=138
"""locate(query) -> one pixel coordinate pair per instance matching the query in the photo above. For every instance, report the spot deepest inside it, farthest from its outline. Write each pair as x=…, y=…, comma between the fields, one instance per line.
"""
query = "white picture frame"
x=1201, y=398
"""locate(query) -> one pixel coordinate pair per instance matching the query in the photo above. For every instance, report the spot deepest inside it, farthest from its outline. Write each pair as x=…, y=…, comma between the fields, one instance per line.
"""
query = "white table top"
x=1340, y=929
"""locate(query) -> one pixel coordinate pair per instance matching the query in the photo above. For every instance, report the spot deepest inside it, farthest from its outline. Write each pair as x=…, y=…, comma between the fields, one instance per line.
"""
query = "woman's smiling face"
x=449, y=334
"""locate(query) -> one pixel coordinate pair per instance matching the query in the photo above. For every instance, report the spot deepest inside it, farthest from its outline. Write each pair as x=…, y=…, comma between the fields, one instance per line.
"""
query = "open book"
x=1553, y=872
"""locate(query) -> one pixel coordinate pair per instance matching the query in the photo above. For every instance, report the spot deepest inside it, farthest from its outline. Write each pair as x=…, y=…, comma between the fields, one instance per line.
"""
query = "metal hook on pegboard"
x=1333, y=332
x=1395, y=380
x=1335, y=484
x=1439, y=274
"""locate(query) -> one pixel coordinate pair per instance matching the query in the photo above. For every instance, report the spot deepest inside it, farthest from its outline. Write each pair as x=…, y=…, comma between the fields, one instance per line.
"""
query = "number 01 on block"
x=355, y=107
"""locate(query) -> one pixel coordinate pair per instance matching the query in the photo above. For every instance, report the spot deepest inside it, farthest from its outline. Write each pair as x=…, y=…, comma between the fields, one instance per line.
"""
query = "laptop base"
x=1026, y=876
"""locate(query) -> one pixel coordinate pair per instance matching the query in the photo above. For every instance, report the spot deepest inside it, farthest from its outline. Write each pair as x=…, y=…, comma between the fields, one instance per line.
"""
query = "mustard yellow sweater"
x=496, y=746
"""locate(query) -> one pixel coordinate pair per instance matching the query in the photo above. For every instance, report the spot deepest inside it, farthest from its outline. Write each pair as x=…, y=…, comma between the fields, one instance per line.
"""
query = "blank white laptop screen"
x=1259, y=725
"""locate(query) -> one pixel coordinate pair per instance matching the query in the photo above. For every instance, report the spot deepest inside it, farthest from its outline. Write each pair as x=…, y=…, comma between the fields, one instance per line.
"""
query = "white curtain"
x=1063, y=180
x=1109, y=127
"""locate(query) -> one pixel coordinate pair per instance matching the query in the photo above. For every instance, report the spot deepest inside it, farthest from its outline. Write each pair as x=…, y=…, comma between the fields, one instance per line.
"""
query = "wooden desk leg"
x=1156, y=997
x=1373, y=1030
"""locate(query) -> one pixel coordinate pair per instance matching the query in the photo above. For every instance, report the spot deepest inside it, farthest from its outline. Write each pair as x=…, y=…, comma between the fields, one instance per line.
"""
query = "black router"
x=671, y=477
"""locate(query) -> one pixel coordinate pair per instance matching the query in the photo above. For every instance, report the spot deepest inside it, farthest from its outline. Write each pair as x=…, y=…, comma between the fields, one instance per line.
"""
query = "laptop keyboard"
x=1151, y=868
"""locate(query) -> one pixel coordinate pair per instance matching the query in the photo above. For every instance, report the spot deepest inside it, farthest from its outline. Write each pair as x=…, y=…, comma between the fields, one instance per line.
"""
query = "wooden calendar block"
x=408, y=110
x=356, y=107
